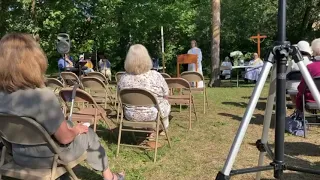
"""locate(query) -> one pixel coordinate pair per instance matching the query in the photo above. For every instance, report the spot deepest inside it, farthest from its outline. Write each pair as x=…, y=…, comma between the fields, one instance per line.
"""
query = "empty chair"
x=194, y=77
x=181, y=99
x=165, y=75
x=140, y=97
x=98, y=75
x=54, y=84
x=97, y=89
x=88, y=111
x=70, y=79
x=31, y=133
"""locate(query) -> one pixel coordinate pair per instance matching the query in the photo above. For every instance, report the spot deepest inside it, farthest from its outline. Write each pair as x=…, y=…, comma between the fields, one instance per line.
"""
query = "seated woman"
x=138, y=65
x=227, y=67
x=253, y=73
x=305, y=50
x=88, y=67
x=314, y=70
x=23, y=93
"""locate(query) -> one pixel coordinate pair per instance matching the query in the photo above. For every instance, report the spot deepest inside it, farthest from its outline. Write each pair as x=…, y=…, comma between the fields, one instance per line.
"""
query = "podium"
x=186, y=59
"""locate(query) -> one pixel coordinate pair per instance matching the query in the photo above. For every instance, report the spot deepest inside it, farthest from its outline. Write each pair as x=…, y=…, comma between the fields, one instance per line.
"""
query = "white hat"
x=304, y=46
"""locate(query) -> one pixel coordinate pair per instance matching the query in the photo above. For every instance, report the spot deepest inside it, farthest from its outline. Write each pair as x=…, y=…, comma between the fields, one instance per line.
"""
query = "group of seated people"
x=311, y=58
x=66, y=63
x=251, y=73
x=19, y=85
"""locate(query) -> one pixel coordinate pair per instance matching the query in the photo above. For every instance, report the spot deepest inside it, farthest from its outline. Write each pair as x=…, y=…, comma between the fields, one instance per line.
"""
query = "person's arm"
x=66, y=135
x=164, y=86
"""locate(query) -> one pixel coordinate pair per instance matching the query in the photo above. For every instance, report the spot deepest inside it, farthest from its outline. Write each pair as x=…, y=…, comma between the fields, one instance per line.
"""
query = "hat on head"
x=304, y=46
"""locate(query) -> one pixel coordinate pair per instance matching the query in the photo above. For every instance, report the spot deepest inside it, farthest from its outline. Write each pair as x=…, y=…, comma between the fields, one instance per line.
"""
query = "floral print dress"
x=154, y=83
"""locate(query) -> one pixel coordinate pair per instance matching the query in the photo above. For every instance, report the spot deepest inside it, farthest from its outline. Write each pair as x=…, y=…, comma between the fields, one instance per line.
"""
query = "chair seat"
x=311, y=106
x=179, y=99
x=11, y=169
x=292, y=92
x=87, y=115
x=140, y=124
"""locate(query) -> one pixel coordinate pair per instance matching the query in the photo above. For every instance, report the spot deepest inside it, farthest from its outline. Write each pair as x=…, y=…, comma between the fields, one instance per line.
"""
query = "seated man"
x=66, y=61
x=252, y=73
x=227, y=66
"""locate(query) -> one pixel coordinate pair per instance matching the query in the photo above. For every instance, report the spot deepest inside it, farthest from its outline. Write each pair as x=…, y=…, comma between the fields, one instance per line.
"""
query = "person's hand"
x=80, y=129
x=166, y=97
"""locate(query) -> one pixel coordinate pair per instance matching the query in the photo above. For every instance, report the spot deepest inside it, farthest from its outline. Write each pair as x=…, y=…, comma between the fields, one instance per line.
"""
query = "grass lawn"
x=201, y=152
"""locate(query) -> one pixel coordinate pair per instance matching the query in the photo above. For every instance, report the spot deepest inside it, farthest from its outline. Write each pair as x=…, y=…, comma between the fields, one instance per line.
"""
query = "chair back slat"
x=294, y=75
x=53, y=83
x=177, y=83
x=118, y=75
x=70, y=78
x=165, y=75
x=192, y=76
x=93, y=83
x=137, y=97
x=81, y=96
x=24, y=131
x=98, y=75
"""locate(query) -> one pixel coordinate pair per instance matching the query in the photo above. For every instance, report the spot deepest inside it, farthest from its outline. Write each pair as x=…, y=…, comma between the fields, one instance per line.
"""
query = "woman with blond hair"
x=23, y=93
x=138, y=65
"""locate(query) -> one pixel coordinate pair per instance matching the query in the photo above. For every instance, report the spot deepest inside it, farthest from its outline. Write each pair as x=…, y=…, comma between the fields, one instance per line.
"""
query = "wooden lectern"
x=186, y=59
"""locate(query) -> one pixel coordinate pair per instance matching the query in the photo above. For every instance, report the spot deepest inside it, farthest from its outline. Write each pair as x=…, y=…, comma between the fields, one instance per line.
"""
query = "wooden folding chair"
x=140, y=97
x=181, y=99
x=193, y=76
x=88, y=112
x=28, y=132
x=97, y=89
x=54, y=84
x=165, y=75
x=70, y=79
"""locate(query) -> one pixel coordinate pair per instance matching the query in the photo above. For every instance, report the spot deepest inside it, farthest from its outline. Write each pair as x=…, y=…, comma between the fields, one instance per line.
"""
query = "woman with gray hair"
x=138, y=65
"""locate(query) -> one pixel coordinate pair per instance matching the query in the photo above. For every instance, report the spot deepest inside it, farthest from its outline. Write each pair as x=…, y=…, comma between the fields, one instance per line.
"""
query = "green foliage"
x=111, y=26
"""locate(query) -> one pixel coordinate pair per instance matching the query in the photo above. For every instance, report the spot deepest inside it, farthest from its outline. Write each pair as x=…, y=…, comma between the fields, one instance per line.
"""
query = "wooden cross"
x=258, y=37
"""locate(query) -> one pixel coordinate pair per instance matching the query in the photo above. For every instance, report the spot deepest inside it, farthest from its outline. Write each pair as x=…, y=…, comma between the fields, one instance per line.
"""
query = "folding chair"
x=165, y=75
x=140, y=97
x=98, y=75
x=97, y=89
x=181, y=99
x=118, y=75
x=194, y=76
x=104, y=79
x=54, y=84
x=310, y=106
x=28, y=132
x=70, y=79
x=89, y=111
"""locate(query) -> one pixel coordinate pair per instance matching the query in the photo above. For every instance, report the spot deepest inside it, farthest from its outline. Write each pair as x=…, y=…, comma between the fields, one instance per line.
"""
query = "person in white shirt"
x=252, y=73
x=192, y=67
x=227, y=66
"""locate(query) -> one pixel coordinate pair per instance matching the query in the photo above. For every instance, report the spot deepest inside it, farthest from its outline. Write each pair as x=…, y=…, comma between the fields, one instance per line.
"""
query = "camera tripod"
x=279, y=54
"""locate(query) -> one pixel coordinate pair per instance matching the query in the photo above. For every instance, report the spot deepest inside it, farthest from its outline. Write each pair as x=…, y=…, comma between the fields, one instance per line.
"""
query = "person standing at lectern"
x=192, y=67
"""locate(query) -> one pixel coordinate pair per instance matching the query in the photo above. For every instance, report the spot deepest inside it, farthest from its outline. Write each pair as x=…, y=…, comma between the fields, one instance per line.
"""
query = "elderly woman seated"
x=314, y=70
x=23, y=93
x=252, y=73
x=138, y=65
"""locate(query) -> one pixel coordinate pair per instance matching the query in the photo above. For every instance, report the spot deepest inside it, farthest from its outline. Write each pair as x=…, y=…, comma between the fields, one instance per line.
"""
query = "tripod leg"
x=245, y=122
x=267, y=117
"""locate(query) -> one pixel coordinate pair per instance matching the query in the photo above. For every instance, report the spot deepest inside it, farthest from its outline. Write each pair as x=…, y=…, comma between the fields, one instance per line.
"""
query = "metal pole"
x=162, y=50
x=280, y=94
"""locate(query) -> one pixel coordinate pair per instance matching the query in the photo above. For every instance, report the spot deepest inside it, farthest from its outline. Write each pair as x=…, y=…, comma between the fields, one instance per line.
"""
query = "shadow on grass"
x=248, y=97
x=260, y=105
x=256, y=118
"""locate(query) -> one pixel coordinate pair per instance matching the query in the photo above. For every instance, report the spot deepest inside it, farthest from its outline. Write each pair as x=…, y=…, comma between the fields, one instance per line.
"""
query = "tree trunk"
x=215, y=46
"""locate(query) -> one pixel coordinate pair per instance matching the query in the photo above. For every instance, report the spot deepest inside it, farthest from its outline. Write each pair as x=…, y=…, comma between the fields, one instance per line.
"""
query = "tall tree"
x=215, y=46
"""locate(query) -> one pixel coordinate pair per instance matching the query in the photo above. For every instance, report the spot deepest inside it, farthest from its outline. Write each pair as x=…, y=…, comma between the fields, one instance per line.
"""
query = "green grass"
x=201, y=152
